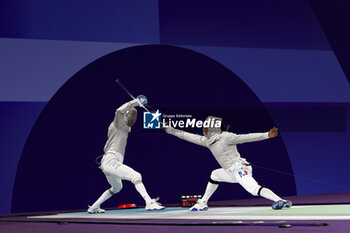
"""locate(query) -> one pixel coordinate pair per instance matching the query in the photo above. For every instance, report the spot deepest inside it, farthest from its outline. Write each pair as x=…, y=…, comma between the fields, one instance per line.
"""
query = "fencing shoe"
x=278, y=205
x=154, y=205
x=95, y=210
x=287, y=204
x=199, y=206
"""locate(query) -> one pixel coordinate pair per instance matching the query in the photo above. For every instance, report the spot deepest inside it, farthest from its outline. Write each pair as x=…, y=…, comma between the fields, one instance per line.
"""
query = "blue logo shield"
x=151, y=120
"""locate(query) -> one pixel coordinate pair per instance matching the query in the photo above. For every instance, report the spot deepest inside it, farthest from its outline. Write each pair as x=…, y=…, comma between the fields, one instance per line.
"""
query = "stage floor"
x=302, y=212
x=314, y=213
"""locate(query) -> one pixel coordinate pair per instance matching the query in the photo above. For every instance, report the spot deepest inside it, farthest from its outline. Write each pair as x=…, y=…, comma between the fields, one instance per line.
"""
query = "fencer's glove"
x=168, y=129
x=175, y=132
x=142, y=100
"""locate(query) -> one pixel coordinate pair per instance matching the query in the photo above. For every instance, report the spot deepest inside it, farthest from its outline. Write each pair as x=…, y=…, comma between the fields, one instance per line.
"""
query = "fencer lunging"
x=112, y=161
x=234, y=169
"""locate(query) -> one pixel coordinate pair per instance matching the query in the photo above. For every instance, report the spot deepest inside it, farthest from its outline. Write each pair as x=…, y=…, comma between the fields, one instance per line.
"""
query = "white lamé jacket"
x=222, y=145
x=118, y=131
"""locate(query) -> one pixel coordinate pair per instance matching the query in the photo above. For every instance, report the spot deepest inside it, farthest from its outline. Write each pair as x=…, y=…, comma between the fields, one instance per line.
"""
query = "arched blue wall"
x=292, y=54
x=57, y=169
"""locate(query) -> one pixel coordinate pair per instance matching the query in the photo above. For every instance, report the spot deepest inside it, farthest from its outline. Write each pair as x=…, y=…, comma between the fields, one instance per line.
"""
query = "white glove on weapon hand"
x=170, y=130
x=142, y=100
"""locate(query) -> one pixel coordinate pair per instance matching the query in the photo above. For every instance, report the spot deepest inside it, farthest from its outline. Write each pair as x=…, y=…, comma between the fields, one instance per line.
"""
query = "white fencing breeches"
x=116, y=171
x=242, y=175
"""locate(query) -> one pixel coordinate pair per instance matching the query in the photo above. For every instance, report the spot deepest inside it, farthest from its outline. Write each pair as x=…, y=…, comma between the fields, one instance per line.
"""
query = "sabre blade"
x=145, y=108
x=124, y=88
x=129, y=93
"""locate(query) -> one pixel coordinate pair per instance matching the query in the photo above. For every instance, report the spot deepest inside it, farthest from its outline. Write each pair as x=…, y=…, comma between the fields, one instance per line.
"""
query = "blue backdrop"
x=256, y=63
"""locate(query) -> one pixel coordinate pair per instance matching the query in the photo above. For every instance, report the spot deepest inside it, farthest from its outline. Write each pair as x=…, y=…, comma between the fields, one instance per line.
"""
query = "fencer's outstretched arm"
x=243, y=138
x=190, y=137
x=252, y=137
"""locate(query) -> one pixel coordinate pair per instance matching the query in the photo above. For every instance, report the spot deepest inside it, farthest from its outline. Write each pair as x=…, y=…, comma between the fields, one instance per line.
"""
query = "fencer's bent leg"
x=127, y=173
x=142, y=191
x=116, y=184
x=105, y=196
x=218, y=175
x=211, y=187
x=124, y=172
x=222, y=175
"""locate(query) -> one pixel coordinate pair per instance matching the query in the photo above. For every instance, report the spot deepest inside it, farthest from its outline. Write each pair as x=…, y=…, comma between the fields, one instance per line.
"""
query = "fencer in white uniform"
x=234, y=168
x=112, y=161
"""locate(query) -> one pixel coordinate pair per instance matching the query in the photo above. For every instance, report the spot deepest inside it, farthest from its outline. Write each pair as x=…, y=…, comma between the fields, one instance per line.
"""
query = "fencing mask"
x=212, y=125
x=131, y=116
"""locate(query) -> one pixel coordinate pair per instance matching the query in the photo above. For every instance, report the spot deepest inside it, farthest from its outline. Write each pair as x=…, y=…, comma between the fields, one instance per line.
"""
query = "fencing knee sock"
x=268, y=194
x=142, y=190
x=105, y=196
x=211, y=187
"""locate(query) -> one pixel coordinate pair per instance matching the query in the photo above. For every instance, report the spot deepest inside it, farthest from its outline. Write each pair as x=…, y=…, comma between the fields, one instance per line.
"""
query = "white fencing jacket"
x=118, y=131
x=222, y=145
